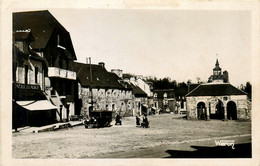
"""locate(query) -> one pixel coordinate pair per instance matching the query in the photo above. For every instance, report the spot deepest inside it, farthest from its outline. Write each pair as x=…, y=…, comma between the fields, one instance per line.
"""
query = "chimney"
x=101, y=64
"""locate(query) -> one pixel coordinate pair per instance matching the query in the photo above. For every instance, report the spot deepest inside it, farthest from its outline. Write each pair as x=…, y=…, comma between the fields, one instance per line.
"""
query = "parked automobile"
x=99, y=118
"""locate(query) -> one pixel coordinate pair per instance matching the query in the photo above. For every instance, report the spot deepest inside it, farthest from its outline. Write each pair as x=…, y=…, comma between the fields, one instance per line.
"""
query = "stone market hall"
x=218, y=99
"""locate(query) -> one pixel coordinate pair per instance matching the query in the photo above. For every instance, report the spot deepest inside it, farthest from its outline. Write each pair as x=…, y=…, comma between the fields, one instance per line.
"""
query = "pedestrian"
x=145, y=123
x=137, y=121
x=118, y=120
x=203, y=114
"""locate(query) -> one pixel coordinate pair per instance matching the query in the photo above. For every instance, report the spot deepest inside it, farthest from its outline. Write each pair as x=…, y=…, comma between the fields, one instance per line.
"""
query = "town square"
x=131, y=84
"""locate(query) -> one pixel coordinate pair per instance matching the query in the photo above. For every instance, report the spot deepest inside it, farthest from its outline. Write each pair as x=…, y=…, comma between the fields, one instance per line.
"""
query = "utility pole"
x=91, y=92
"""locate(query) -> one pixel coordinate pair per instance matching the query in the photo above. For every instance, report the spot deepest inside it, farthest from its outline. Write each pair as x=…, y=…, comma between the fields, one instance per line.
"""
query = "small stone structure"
x=218, y=101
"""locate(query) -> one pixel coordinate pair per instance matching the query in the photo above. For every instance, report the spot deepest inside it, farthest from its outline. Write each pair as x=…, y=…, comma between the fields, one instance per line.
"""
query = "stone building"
x=218, y=100
x=52, y=42
x=180, y=98
x=99, y=89
x=140, y=106
x=142, y=93
x=164, y=100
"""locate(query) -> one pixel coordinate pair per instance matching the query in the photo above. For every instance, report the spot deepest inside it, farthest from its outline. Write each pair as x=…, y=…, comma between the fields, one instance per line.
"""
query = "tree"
x=248, y=90
x=198, y=80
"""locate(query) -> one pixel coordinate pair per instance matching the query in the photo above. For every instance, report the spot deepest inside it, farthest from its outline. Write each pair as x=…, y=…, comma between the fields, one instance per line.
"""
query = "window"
x=36, y=75
x=182, y=104
x=26, y=74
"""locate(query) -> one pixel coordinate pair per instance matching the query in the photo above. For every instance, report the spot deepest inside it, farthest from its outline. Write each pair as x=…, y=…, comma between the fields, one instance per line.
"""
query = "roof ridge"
x=32, y=11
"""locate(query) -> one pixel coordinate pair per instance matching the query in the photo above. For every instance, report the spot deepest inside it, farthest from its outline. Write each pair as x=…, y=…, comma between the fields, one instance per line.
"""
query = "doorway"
x=219, y=110
x=201, y=111
x=231, y=110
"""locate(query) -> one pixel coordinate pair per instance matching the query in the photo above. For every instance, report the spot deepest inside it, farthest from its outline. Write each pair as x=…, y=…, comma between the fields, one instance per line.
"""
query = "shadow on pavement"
x=240, y=151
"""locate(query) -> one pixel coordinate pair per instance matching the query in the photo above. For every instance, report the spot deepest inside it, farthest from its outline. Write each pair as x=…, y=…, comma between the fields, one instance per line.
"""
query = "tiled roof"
x=215, y=90
x=101, y=78
x=41, y=24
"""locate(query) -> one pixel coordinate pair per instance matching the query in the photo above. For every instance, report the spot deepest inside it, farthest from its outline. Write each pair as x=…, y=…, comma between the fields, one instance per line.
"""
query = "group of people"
x=144, y=124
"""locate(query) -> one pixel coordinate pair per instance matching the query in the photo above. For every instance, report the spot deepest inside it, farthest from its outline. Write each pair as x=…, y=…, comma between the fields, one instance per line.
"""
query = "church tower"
x=217, y=76
x=217, y=69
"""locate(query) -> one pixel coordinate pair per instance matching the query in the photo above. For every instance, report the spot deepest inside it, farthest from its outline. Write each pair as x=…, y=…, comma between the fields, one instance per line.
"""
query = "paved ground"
x=166, y=134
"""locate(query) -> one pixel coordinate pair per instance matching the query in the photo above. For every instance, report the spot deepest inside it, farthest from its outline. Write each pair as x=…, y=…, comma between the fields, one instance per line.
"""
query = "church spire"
x=217, y=64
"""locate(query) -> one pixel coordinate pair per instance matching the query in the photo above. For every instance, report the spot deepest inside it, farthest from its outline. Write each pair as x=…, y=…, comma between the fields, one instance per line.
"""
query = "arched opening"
x=201, y=110
x=219, y=110
x=231, y=110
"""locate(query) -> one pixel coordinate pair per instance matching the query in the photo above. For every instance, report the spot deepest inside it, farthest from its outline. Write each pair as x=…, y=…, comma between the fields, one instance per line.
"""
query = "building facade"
x=180, y=93
x=53, y=44
x=99, y=89
x=218, y=100
x=30, y=105
x=164, y=101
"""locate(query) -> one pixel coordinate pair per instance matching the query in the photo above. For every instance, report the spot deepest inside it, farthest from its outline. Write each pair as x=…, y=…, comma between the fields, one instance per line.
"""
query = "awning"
x=36, y=105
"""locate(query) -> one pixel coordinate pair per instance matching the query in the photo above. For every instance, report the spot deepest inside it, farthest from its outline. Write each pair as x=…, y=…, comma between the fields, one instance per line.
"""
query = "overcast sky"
x=180, y=44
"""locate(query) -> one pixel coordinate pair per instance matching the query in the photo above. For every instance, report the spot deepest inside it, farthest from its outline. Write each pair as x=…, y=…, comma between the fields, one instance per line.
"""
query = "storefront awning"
x=36, y=105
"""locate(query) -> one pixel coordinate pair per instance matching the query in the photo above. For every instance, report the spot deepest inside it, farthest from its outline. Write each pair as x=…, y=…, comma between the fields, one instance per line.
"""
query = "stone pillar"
x=207, y=112
x=225, y=112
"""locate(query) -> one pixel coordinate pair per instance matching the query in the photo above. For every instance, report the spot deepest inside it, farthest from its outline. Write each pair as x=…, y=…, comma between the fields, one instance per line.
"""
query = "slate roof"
x=180, y=92
x=160, y=93
x=126, y=84
x=210, y=89
x=192, y=86
x=127, y=76
x=101, y=78
x=41, y=24
x=137, y=91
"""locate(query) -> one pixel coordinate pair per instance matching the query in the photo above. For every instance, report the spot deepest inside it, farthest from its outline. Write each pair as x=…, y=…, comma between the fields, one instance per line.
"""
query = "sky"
x=180, y=44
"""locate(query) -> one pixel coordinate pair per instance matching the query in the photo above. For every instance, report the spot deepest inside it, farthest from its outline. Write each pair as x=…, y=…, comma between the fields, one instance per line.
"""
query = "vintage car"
x=99, y=118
